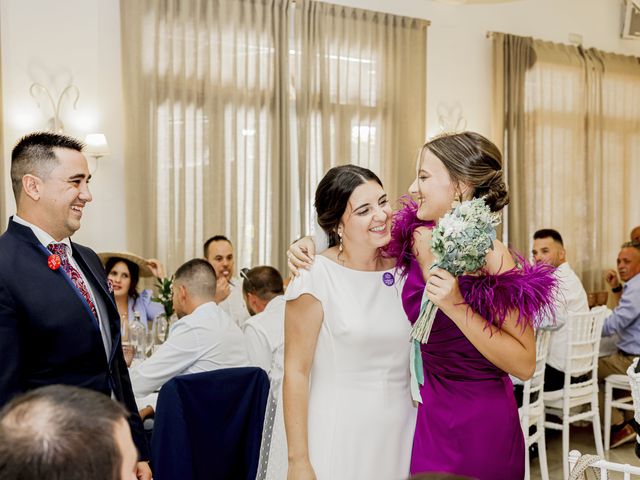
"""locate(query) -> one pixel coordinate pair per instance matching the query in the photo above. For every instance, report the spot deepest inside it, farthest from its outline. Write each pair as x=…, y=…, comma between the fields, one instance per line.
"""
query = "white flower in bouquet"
x=460, y=244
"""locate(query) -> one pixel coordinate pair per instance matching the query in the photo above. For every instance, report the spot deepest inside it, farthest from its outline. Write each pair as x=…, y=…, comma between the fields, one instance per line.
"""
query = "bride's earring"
x=340, y=246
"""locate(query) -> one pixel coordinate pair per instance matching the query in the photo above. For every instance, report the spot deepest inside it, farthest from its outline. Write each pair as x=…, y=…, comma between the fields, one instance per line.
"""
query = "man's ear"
x=32, y=186
x=251, y=299
x=182, y=292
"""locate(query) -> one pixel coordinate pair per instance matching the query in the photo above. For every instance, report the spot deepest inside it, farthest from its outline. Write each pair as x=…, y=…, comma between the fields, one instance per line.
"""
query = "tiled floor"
x=581, y=439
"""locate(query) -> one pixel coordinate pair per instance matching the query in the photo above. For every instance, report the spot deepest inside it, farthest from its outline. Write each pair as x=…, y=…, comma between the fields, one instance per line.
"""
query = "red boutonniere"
x=54, y=261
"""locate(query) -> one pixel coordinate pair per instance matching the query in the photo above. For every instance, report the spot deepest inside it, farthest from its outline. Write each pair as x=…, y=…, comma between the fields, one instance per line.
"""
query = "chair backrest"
x=209, y=425
x=532, y=391
x=578, y=464
x=584, y=332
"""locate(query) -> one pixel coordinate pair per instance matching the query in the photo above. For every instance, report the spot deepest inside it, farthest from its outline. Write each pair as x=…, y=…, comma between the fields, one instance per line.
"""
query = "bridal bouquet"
x=460, y=243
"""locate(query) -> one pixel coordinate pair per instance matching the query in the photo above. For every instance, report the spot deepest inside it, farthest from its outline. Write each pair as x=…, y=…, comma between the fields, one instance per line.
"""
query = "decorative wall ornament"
x=36, y=90
x=450, y=118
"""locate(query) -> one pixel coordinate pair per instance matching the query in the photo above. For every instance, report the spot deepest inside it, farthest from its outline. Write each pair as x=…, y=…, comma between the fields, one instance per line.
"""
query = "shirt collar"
x=274, y=302
x=43, y=237
x=632, y=281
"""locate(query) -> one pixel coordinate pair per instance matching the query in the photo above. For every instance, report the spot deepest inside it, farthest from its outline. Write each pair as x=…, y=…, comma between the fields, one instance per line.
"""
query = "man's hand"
x=223, y=289
x=143, y=471
x=611, y=277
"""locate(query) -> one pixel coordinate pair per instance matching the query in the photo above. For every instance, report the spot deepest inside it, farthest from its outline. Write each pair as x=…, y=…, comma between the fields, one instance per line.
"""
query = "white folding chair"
x=619, y=382
x=584, y=332
x=579, y=463
x=532, y=410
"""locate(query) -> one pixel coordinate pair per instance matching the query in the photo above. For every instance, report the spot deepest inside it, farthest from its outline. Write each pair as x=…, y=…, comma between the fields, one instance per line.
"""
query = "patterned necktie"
x=60, y=249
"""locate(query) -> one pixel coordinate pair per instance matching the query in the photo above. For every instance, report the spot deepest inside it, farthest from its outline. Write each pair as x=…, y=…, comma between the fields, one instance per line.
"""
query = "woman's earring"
x=340, y=245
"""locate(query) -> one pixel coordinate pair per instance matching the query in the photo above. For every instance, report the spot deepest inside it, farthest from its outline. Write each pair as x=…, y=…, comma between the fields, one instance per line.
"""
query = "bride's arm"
x=511, y=348
x=303, y=319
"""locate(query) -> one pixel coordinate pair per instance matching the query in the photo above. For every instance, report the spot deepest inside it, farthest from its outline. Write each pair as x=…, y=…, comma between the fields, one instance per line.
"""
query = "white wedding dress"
x=361, y=417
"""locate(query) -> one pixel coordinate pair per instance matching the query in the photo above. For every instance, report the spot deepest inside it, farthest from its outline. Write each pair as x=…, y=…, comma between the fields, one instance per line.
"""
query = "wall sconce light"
x=96, y=146
x=55, y=123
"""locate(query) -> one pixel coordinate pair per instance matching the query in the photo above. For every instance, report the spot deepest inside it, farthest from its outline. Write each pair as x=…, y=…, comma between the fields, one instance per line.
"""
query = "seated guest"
x=124, y=271
x=204, y=339
x=218, y=251
x=264, y=331
x=625, y=321
x=548, y=248
x=63, y=432
x=635, y=234
x=264, y=334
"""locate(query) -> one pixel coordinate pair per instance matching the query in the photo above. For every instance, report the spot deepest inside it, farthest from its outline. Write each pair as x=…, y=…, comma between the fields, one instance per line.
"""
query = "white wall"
x=54, y=42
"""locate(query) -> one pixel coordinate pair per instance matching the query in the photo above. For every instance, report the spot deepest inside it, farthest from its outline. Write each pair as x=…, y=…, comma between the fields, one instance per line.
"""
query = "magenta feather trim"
x=529, y=288
x=405, y=221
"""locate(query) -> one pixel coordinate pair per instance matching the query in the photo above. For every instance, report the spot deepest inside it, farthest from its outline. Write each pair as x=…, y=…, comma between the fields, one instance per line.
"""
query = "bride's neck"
x=370, y=260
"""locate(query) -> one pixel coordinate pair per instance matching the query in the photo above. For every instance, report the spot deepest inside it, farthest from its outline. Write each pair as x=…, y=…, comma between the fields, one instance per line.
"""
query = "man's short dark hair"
x=548, y=233
x=198, y=276
x=265, y=282
x=60, y=432
x=215, y=238
x=34, y=154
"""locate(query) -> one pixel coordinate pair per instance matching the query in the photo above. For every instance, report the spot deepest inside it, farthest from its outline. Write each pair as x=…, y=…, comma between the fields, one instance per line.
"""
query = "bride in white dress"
x=347, y=402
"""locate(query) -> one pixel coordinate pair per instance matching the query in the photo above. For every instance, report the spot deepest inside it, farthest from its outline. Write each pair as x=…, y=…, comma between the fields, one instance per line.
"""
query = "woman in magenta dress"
x=468, y=421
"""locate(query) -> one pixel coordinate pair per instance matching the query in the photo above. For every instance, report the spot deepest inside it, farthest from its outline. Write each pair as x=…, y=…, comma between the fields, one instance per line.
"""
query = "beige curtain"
x=565, y=163
x=236, y=108
x=359, y=80
x=207, y=106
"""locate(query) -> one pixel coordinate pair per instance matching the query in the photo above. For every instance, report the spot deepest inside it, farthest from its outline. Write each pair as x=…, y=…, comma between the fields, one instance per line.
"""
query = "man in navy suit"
x=58, y=320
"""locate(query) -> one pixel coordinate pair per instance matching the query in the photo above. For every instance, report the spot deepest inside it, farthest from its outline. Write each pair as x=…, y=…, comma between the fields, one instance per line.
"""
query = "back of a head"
x=548, y=233
x=473, y=159
x=198, y=277
x=60, y=433
x=35, y=154
x=264, y=281
x=333, y=192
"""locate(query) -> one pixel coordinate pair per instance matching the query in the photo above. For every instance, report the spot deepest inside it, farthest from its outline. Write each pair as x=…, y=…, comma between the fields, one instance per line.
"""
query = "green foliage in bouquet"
x=464, y=236
x=165, y=295
x=459, y=243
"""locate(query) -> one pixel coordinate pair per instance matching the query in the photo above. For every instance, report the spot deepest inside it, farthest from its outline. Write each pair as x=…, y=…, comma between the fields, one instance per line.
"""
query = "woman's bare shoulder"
x=499, y=259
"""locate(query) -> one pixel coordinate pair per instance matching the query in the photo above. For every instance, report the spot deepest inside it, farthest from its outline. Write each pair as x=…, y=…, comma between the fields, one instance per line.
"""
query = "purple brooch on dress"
x=387, y=279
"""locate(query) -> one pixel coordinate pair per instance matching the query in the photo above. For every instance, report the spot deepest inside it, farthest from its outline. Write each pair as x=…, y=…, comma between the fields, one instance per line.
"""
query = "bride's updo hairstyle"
x=471, y=158
x=332, y=196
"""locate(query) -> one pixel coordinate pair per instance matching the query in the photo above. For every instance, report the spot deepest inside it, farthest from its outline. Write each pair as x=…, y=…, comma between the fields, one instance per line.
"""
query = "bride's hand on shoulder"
x=443, y=289
x=301, y=471
x=301, y=254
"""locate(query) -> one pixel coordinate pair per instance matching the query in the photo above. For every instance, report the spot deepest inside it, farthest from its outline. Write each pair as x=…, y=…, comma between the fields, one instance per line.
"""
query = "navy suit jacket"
x=48, y=334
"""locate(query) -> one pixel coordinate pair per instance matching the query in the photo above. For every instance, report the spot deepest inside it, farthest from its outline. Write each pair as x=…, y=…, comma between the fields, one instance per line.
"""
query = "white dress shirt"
x=203, y=341
x=571, y=298
x=234, y=304
x=45, y=239
x=264, y=334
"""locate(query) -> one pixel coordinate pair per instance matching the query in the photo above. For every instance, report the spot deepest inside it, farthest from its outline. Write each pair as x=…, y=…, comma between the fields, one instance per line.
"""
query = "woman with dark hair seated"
x=124, y=271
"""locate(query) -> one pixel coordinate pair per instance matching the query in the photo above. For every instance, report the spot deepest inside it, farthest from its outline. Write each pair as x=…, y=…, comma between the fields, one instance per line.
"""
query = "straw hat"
x=145, y=271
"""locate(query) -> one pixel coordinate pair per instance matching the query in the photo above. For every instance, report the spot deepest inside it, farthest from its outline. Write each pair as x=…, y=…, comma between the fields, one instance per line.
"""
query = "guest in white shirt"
x=548, y=248
x=204, y=339
x=264, y=331
x=218, y=251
